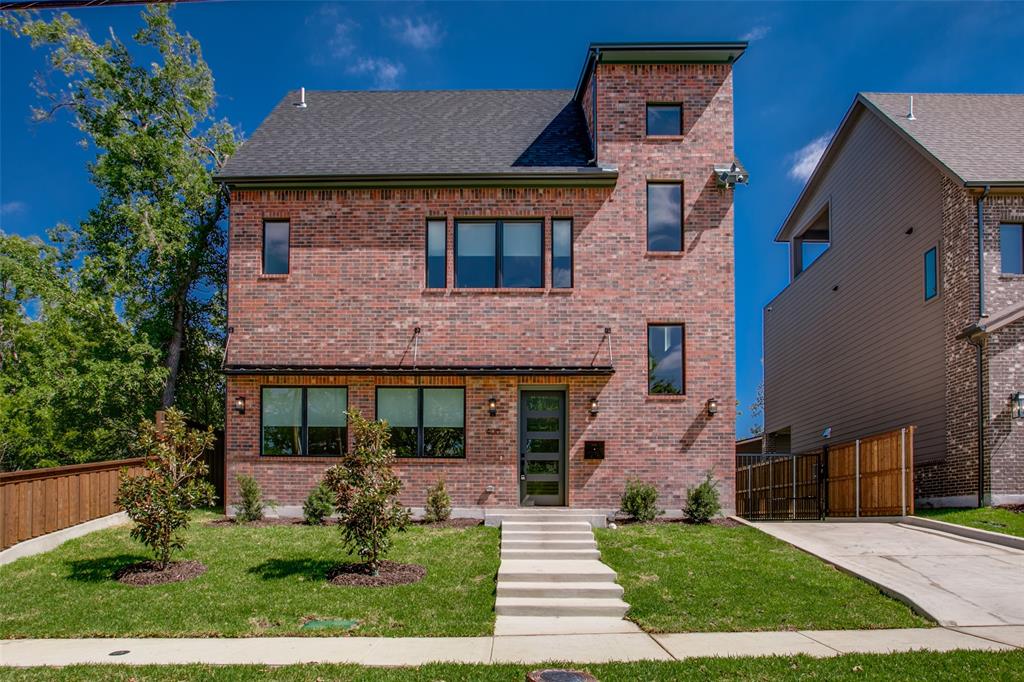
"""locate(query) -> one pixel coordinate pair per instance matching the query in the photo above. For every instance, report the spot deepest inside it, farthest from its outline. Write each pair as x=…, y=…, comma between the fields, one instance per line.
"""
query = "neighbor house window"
x=437, y=248
x=931, y=274
x=664, y=217
x=275, y=247
x=561, y=254
x=665, y=374
x=1011, y=248
x=664, y=119
x=304, y=421
x=425, y=422
x=502, y=253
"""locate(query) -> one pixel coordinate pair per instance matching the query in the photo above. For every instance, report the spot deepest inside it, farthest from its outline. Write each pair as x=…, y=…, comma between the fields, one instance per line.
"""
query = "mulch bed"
x=1016, y=508
x=450, y=523
x=391, y=573
x=720, y=522
x=262, y=523
x=148, y=573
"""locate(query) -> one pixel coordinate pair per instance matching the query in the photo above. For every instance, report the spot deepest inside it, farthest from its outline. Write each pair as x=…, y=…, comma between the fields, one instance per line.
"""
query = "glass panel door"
x=542, y=448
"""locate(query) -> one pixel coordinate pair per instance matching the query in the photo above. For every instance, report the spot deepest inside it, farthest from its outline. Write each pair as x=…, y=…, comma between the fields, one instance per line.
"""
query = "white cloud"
x=385, y=73
x=420, y=33
x=13, y=207
x=756, y=33
x=806, y=158
x=334, y=34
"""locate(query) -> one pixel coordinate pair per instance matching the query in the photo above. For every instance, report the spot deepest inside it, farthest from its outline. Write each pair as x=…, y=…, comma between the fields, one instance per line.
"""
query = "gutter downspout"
x=978, y=344
x=593, y=106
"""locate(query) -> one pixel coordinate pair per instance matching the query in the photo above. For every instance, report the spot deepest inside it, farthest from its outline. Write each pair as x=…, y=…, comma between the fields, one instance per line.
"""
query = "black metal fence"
x=780, y=487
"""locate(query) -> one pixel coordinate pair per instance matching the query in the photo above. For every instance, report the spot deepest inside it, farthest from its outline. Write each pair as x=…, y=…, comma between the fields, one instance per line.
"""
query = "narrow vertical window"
x=521, y=247
x=561, y=254
x=326, y=421
x=399, y=407
x=1011, y=249
x=282, y=421
x=475, y=255
x=275, y=247
x=664, y=119
x=437, y=248
x=931, y=274
x=664, y=217
x=665, y=375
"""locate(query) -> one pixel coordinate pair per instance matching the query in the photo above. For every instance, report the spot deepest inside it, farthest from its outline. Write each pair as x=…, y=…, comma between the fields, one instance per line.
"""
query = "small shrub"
x=159, y=499
x=319, y=505
x=640, y=500
x=439, y=504
x=250, y=506
x=366, y=491
x=702, y=503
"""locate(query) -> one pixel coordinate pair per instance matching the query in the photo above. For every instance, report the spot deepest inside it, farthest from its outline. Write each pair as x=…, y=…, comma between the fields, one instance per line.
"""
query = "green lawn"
x=935, y=667
x=683, y=578
x=260, y=581
x=986, y=518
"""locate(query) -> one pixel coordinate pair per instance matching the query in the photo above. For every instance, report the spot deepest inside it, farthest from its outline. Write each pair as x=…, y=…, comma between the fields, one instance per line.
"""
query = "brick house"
x=534, y=288
x=890, y=317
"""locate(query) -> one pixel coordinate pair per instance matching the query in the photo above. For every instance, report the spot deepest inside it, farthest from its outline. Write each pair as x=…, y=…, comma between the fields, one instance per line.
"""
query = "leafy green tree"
x=156, y=239
x=75, y=381
x=158, y=500
x=366, y=492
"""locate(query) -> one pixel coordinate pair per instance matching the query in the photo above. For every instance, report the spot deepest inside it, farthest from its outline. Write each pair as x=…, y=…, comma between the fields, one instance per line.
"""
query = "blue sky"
x=805, y=64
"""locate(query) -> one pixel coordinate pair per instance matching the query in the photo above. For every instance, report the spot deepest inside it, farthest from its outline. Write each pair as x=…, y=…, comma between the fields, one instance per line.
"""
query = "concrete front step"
x=547, y=535
x=546, y=526
x=548, y=544
x=536, y=606
x=560, y=590
x=547, y=554
x=555, y=571
x=498, y=517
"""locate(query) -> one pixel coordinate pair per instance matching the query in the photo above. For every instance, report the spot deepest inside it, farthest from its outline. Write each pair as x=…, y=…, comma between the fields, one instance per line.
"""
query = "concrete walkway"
x=954, y=580
x=408, y=651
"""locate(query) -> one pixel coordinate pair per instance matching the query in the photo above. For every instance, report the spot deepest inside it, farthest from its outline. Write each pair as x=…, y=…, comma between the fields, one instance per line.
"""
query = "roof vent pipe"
x=301, y=104
x=910, y=116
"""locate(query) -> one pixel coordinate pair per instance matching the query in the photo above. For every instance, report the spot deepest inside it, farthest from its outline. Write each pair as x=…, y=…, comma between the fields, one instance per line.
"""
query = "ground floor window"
x=425, y=422
x=665, y=375
x=304, y=421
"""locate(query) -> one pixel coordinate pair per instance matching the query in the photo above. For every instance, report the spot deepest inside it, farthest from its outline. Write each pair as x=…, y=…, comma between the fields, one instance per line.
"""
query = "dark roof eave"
x=494, y=370
x=584, y=176
x=1006, y=184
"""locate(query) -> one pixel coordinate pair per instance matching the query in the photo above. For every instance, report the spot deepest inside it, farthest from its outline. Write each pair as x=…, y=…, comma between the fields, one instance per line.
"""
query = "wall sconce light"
x=492, y=406
x=1017, y=405
x=593, y=405
x=240, y=405
x=712, y=407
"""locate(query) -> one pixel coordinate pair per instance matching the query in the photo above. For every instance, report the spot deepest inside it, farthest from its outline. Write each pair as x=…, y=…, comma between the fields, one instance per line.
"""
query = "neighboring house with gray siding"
x=882, y=324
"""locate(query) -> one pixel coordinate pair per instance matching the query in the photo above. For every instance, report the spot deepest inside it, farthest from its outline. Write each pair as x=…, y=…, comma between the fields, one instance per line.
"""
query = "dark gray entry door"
x=542, y=448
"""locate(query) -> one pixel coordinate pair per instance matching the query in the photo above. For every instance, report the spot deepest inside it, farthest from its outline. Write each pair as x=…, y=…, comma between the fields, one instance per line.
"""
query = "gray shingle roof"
x=978, y=137
x=362, y=133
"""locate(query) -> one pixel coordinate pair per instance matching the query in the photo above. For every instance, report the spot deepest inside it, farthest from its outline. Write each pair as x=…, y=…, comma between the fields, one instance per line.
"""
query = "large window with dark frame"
x=304, y=421
x=275, y=247
x=664, y=216
x=664, y=119
x=665, y=360
x=425, y=421
x=437, y=249
x=561, y=253
x=1011, y=249
x=499, y=254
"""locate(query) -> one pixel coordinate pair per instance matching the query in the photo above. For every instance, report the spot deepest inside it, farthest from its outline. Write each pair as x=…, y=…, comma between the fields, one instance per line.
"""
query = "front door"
x=542, y=448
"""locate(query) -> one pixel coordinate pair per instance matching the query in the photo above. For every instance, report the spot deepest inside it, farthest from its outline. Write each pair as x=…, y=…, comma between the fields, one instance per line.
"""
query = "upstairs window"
x=502, y=253
x=561, y=254
x=664, y=119
x=665, y=375
x=425, y=422
x=437, y=248
x=664, y=217
x=1011, y=249
x=275, y=247
x=304, y=421
x=931, y=274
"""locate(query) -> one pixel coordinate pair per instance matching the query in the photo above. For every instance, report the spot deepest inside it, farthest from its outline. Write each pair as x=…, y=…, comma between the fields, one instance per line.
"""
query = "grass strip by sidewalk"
x=986, y=518
x=683, y=578
x=919, y=665
x=261, y=581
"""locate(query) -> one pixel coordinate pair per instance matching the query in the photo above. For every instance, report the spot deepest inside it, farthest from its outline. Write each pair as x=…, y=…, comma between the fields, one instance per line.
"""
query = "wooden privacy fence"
x=779, y=486
x=39, y=501
x=872, y=476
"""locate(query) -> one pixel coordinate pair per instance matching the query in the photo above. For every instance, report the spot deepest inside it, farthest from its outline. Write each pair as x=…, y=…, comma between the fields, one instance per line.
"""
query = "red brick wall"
x=355, y=292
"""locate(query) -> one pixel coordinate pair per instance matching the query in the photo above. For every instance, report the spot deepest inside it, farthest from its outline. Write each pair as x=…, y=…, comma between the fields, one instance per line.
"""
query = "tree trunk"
x=173, y=362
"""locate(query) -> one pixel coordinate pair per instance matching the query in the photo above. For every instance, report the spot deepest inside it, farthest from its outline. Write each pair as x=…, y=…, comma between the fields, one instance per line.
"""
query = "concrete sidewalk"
x=409, y=651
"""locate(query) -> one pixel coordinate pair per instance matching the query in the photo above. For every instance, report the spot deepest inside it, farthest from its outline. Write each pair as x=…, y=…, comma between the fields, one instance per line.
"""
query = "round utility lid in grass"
x=554, y=675
x=330, y=624
x=119, y=652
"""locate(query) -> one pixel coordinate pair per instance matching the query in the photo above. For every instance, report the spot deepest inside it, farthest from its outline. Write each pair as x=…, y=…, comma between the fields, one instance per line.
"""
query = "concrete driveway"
x=956, y=581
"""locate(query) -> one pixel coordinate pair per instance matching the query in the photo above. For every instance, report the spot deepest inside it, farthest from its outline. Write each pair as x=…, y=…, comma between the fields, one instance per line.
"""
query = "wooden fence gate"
x=871, y=476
